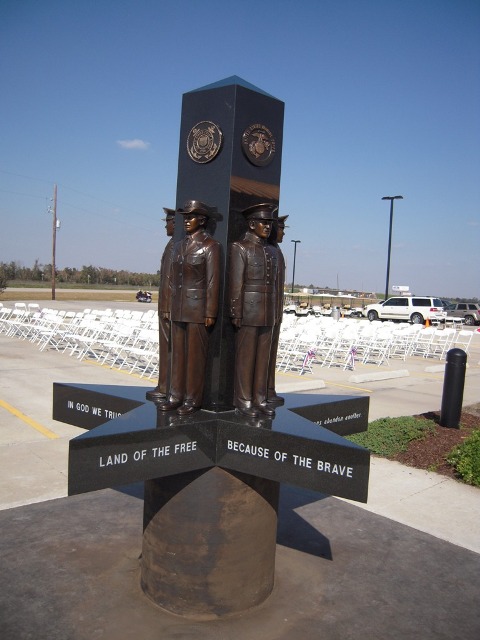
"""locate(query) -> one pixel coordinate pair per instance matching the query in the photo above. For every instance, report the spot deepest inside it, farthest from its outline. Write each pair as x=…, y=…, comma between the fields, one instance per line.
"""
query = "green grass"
x=390, y=436
x=465, y=459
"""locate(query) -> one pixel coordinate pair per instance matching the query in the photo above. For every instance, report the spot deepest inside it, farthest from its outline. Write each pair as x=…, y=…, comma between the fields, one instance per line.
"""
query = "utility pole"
x=54, y=237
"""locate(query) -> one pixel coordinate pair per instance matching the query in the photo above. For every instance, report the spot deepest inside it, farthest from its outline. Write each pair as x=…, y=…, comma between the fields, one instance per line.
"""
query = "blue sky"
x=382, y=97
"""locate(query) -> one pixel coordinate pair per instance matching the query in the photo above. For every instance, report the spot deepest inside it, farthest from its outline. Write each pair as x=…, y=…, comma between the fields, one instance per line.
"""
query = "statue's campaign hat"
x=263, y=211
x=169, y=214
x=198, y=208
x=281, y=222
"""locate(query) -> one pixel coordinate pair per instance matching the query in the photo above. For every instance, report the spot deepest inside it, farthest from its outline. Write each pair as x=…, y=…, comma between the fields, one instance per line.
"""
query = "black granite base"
x=129, y=439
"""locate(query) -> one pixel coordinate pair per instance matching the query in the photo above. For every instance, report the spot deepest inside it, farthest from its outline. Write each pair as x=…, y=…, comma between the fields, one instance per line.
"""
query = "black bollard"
x=453, y=384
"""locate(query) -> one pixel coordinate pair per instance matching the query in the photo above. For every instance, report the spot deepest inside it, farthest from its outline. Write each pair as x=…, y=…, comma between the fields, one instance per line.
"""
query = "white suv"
x=413, y=309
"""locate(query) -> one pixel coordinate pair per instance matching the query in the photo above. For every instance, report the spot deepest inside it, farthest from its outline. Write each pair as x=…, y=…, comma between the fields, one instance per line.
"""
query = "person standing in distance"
x=194, y=285
x=273, y=399
x=253, y=309
x=160, y=393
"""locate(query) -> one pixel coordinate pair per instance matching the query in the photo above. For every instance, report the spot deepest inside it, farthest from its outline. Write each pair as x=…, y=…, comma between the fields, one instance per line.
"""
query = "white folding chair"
x=343, y=349
x=442, y=341
x=463, y=339
x=18, y=315
x=378, y=350
x=421, y=344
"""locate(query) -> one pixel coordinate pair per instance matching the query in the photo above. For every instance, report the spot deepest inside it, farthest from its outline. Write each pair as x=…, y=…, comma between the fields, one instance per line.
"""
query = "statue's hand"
x=166, y=316
x=237, y=322
x=209, y=322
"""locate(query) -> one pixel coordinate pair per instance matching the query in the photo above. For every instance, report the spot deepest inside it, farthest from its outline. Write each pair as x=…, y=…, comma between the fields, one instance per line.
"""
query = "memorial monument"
x=213, y=454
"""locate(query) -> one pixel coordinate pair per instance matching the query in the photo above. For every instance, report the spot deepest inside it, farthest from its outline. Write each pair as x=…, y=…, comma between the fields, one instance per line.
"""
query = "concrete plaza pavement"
x=405, y=565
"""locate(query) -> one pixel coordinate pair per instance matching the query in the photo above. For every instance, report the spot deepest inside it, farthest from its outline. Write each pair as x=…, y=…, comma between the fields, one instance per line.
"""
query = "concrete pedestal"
x=209, y=542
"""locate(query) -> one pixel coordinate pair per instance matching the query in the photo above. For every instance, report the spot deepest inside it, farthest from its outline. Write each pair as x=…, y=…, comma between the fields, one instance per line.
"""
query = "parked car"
x=413, y=309
x=365, y=309
x=469, y=311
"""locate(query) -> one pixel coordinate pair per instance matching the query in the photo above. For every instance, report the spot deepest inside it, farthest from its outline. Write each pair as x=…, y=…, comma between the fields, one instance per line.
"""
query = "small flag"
x=310, y=355
x=351, y=357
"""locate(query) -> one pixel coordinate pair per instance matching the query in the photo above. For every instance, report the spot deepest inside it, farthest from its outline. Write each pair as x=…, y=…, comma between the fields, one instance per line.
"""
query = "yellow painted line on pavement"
x=345, y=386
x=31, y=423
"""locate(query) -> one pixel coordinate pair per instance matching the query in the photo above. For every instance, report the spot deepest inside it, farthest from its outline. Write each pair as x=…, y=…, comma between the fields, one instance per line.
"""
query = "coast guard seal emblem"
x=204, y=141
x=258, y=144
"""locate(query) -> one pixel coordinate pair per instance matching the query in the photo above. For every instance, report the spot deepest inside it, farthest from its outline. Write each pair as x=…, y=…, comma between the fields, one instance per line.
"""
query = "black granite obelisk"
x=229, y=158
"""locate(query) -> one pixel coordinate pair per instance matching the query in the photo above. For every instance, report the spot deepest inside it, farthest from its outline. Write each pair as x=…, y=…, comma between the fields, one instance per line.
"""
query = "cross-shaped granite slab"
x=128, y=440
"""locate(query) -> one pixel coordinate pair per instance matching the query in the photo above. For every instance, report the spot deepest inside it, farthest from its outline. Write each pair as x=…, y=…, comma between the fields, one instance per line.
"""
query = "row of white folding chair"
x=5, y=313
x=55, y=325
x=86, y=332
x=31, y=329
x=402, y=340
x=442, y=342
x=286, y=341
x=370, y=343
x=297, y=349
x=90, y=336
x=18, y=314
x=309, y=340
x=125, y=335
x=95, y=333
x=134, y=335
x=141, y=355
x=376, y=349
x=318, y=342
x=24, y=323
x=338, y=346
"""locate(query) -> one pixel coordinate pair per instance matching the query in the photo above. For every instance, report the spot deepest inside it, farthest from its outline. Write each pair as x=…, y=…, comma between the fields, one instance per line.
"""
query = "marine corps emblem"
x=258, y=144
x=204, y=141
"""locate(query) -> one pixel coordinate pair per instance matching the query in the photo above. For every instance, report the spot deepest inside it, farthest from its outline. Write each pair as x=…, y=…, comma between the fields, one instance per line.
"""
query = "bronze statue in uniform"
x=194, y=286
x=253, y=309
x=159, y=394
x=273, y=399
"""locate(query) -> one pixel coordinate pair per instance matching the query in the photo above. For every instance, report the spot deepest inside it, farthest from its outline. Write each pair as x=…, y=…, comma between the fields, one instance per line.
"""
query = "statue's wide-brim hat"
x=262, y=211
x=169, y=214
x=198, y=208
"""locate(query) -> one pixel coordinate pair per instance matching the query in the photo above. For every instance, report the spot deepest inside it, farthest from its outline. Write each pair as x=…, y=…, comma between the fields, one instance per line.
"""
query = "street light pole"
x=391, y=198
x=294, y=258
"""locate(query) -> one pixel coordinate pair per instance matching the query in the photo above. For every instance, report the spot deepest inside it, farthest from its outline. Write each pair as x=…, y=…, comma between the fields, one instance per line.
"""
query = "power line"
x=82, y=193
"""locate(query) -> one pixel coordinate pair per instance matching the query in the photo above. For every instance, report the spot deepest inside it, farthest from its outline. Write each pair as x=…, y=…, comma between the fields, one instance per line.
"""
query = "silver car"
x=469, y=311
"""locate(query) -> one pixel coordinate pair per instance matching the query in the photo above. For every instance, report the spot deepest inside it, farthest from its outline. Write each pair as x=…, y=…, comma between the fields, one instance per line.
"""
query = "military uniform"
x=160, y=392
x=272, y=397
x=253, y=309
x=194, y=287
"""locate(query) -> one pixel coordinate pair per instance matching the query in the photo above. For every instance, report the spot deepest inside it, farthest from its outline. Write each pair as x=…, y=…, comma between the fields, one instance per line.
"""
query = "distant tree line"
x=89, y=275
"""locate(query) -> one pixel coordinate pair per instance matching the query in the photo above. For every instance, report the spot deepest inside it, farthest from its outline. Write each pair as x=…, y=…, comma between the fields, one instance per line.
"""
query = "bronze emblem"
x=204, y=141
x=258, y=144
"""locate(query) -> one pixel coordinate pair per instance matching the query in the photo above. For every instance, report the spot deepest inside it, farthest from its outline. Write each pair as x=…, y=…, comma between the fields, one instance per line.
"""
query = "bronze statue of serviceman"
x=254, y=309
x=194, y=282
